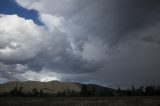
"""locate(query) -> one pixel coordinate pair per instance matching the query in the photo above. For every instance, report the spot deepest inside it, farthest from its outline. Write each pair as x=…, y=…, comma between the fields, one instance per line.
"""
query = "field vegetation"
x=80, y=101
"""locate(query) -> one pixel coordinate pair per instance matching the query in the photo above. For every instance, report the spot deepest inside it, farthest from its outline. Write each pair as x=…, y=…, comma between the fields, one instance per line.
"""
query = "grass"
x=48, y=87
x=80, y=101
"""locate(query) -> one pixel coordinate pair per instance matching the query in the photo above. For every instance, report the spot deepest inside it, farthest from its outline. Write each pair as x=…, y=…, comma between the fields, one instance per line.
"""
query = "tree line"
x=87, y=92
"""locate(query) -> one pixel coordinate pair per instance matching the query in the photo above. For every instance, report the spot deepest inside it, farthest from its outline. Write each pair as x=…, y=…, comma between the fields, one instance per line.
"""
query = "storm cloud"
x=109, y=42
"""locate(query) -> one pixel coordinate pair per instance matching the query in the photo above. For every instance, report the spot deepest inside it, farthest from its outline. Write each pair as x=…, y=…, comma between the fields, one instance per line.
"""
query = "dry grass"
x=79, y=101
x=48, y=87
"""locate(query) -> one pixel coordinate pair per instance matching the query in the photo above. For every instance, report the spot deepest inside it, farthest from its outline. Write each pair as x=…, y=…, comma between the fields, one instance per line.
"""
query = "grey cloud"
x=114, y=20
x=151, y=39
x=111, y=20
x=116, y=35
x=63, y=62
x=9, y=72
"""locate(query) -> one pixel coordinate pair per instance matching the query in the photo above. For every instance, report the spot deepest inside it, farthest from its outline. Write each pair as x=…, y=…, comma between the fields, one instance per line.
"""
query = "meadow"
x=80, y=101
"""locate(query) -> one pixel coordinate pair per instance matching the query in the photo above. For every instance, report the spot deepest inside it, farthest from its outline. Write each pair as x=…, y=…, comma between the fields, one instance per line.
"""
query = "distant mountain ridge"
x=51, y=87
x=48, y=87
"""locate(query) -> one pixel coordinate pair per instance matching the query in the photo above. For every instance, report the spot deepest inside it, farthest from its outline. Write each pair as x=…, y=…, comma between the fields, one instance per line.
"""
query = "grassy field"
x=79, y=101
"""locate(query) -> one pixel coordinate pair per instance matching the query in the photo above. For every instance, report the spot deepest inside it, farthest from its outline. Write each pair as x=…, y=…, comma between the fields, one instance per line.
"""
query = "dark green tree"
x=14, y=92
x=150, y=91
x=35, y=92
x=84, y=91
x=20, y=92
x=41, y=92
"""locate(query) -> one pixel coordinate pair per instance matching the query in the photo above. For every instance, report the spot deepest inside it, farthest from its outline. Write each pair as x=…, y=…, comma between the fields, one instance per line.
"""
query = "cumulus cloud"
x=28, y=48
x=42, y=76
x=20, y=39
x=52, y=22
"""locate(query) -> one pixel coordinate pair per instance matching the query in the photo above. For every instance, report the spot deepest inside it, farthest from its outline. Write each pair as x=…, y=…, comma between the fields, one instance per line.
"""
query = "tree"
x=61, y=94
x=150, y=91
x=93, y=91
x=41, y=92
x=84, y=91
x=19, y=92
x=108, y=92
x=133, y=91
x=35, y=92
x=119, y=91
x=74, y=94
x=140, y=91
x=13, y=92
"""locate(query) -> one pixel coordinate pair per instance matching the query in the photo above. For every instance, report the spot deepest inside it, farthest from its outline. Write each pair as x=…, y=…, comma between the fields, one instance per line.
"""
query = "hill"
x=48, y=87
x=54, y=87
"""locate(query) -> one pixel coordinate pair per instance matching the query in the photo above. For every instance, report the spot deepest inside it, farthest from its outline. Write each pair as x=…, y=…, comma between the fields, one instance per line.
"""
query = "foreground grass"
x=80, y=101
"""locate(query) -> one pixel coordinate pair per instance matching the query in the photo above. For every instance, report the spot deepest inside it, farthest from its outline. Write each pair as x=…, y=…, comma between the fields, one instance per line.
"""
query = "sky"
x=108, y=42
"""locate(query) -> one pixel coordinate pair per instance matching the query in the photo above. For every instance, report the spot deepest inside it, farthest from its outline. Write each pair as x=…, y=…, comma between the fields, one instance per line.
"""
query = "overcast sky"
x=109, y=42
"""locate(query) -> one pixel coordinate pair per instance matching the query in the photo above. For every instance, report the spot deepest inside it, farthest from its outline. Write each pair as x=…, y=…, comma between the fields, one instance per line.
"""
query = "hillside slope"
x=48, y=87
x=53, y=87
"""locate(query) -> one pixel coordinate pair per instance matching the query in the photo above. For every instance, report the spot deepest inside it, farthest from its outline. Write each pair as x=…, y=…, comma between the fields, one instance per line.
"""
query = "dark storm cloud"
x=114, y=20
x=151, y=39
x=63, y=62
x=113, y=42
x=9, y=72
x=134, y=15
x=117, y=22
